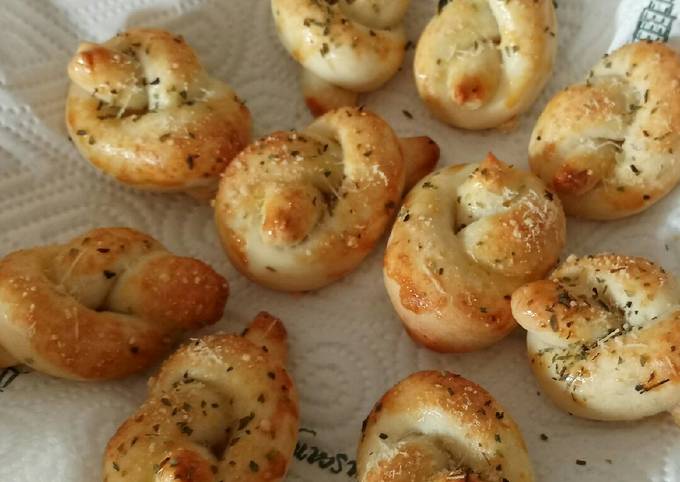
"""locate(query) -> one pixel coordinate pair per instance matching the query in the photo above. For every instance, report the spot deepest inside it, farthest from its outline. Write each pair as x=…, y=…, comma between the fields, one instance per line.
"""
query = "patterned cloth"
x=655, y=20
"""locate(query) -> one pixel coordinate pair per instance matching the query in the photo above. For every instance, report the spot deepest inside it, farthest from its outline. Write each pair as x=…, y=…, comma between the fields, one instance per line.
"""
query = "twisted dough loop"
x=437, y=427
x=604, y=336
x=142, y=109
x=610, y=147
x=104, y=305
x=222, y=408
x=480, y=63
x=345, y=47
x=297, y=211
x=466, y=237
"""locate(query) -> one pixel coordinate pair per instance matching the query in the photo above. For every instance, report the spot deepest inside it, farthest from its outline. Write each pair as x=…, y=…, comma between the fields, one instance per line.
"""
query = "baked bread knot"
x=222, y=408
x=481, y=63
x=439, y=427
x=104, y=305
x=611, y=147
x=299, y=210
x=604, y=336
x=345, y=47
x=142, y=109
x=466, y=237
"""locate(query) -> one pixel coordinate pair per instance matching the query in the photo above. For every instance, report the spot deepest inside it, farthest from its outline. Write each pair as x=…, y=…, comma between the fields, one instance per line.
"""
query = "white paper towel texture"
x=347, y=345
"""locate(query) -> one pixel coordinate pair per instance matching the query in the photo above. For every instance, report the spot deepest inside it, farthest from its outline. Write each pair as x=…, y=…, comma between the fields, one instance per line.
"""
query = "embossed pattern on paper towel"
x=347, y=345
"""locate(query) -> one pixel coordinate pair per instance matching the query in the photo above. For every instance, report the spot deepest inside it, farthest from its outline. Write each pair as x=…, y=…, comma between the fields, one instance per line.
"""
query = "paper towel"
x=347, y=345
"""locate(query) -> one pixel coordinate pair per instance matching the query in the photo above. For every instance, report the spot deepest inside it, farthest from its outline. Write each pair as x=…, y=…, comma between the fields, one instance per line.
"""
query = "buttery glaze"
x=142, y=109
x=481, y=63
x=604, y=336
x=611, y=147
x=104, y=305
x=466, y=237
x=222, y=408
x=440, y=427
x=346, y=47
x=299, y=210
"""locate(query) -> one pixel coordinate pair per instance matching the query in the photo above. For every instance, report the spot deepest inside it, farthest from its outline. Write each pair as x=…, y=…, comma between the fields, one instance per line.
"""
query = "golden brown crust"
x=467, y=236
x=367, y=45
x=221, y=408
x=322, y=97
x=610, y=147
x=437, y=426
x=299, y=210
x=142, y=109
x=480, y=63
x=345, y=47
x=104, y=305
x=421, y=155
x=604, y=336
x=267, y=332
